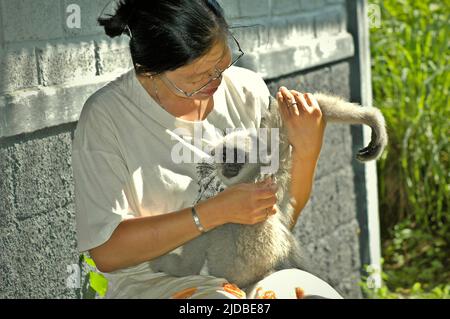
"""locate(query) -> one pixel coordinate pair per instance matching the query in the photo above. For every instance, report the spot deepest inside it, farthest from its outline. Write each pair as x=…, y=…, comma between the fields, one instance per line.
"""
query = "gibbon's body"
x=244, y=254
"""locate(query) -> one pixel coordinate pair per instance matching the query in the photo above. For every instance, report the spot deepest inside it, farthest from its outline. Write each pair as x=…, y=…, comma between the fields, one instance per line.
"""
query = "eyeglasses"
x=217, y=72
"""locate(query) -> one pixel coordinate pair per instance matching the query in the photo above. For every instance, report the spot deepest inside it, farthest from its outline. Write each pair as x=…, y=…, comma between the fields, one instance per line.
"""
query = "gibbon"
x=245, y=254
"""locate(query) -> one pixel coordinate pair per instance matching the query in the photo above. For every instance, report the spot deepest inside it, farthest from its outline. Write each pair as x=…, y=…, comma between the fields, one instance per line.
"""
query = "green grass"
x=410, y=54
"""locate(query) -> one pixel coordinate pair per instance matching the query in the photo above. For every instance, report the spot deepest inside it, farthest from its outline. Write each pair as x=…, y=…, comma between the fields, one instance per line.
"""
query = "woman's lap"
x=292, y=284
x=281, y=284
x=162, y=286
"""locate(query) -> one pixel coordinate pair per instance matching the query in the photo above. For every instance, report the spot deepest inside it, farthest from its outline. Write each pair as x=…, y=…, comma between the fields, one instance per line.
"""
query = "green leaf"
x=417, y=288
x=89, y=261
x=99, y=283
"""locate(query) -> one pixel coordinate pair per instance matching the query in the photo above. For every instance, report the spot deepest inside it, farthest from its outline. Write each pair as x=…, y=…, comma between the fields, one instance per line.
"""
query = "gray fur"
x=244, y=254
x=337, y=110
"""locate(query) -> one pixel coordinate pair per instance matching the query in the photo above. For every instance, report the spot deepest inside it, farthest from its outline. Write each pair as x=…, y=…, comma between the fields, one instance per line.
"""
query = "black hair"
x=167, y=34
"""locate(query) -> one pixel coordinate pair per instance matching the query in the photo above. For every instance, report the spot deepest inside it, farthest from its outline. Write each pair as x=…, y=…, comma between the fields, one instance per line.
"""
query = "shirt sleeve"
x=100, y=178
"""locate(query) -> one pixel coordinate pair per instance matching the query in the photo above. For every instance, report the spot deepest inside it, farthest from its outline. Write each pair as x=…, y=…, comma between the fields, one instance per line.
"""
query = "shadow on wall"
x=2, y=74
x=36, y=210
x=2, y=86
x=18, y=71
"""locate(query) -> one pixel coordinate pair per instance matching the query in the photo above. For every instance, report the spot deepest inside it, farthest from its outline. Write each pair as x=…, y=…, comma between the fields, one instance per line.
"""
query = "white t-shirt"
x=123, y=151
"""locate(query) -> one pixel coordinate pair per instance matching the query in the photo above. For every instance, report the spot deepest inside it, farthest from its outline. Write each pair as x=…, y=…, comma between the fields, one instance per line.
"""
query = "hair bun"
x=115, y=25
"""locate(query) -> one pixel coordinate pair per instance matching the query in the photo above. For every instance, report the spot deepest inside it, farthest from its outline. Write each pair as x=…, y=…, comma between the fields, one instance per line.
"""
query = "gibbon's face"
x=235, y=159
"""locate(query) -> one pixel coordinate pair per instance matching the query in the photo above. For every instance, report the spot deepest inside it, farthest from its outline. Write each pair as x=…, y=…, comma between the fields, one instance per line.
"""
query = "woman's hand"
x=304, y=122
x=246, y=203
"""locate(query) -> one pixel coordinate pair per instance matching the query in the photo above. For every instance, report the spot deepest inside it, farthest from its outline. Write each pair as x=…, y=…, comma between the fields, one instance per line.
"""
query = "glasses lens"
x=236, y=54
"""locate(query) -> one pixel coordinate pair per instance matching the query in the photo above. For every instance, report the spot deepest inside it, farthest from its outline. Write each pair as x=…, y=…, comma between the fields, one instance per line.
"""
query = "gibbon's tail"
x=335, y=109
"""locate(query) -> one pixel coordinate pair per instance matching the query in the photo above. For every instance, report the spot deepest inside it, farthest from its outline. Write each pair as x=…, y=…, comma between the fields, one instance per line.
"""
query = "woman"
x=133, y=194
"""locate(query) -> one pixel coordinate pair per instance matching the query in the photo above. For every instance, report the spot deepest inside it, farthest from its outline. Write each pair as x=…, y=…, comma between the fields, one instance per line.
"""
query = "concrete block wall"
x=47, y=71
x=49, y=65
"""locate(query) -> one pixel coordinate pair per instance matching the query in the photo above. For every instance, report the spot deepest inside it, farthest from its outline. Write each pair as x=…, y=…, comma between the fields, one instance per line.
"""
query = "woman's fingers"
x=265, y=193
x=264, y=213
x=281, y=105
x=308, y=99
x=312, y=100
x=301, y=102
x=296, y=102
x=272, y=210
x=290, y=101
x=266, y=203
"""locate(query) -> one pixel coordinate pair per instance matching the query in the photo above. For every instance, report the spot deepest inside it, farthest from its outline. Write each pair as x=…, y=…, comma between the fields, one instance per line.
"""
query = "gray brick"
x=321, y=80
x=348, y=286
x=309, y=82
x=299, y=57
x=340, y=80
x=7, y=164
x=349, y=237
x=250, y=38
x=302, y=26
x=66, y=62
x=18, y=69
x=283, y=7
x=28, y=111
x=8, y=277
x=254, y=8
x=231, y=8
x=2, y=40
x=335, y=153
x=335, y=256
x=310, y=225
x=301, y=54
x=89, y=11
x=292, y=29
x=332, y=204
x=322, y=216
x=31, y=20
x=113, y=56
x=316, y=81
x=330, y=22
x=345, y=191
x=35, y=257
x=311, y=5
x=43, y=177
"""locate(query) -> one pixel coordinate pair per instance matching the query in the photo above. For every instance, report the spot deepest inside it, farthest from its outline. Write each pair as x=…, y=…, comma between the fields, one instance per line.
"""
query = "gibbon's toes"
x=365, y=149
x=371, y=152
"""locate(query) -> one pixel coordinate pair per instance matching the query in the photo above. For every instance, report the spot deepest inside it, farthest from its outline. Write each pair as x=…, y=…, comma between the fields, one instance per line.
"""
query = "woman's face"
x=204, y=73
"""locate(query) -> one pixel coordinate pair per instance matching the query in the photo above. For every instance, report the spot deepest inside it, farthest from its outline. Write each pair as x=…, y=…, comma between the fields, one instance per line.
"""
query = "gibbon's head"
x=236, y=158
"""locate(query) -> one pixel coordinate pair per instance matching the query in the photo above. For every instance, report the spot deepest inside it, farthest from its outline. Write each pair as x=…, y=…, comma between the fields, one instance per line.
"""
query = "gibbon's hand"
x=304, y=122
x=247, y=203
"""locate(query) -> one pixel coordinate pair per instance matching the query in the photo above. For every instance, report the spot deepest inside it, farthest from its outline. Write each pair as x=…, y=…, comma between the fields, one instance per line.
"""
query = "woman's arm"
x=142, y=239
x=302, y=179
x=305, y=126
